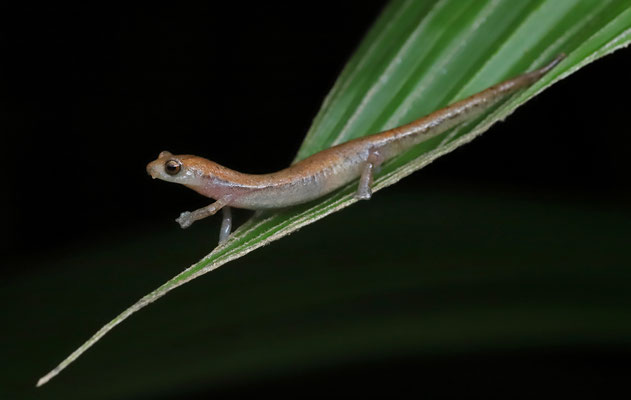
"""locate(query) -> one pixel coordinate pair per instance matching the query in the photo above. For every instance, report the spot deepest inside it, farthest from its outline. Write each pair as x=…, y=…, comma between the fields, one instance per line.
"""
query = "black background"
x=89, y=95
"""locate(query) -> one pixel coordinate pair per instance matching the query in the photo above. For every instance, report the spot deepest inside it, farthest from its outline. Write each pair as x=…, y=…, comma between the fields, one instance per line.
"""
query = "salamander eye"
x=172, y=167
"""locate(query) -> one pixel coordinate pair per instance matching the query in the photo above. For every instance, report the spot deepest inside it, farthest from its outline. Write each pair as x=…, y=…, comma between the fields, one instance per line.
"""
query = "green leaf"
x=418, y=57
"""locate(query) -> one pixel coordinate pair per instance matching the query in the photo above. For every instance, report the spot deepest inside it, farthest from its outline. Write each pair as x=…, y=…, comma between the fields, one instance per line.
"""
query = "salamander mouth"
x=151, y=170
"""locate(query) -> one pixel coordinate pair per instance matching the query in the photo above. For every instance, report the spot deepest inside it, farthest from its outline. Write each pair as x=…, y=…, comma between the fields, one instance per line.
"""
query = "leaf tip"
x=43, y=380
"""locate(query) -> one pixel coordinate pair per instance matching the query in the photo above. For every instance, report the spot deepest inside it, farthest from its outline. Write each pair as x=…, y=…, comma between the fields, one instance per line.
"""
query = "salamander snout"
x=150, y=170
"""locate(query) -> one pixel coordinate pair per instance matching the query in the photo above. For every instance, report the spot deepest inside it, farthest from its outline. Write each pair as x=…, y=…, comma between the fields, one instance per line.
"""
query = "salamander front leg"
x=226, y=225
x=364, y=190
x=187, y=218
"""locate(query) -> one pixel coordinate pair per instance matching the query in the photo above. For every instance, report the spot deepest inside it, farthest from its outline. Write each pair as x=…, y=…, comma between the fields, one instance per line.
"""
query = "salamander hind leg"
x=373, y=162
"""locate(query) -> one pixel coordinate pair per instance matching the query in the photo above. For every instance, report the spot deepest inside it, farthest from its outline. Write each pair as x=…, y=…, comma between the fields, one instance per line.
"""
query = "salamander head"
x=183, y=169
x=203, y=176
